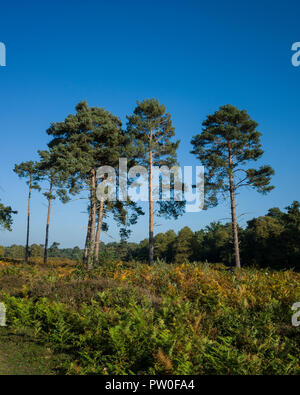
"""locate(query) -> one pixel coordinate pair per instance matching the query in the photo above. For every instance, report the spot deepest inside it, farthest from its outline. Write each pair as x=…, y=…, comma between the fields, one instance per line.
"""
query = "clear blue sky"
x=192, y=55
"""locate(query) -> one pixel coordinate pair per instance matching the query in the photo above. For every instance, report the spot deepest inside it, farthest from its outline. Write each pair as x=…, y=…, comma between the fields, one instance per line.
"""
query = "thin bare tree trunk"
x=233, y=211
x=151, y=238
x=91, y=247
x=98, y=232
x=47, y=226
x=88, y=238
x=28, y=224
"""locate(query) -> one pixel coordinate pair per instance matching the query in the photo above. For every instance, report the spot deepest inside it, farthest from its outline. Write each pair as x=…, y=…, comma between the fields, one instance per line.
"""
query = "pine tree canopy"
x=30, y=171
x=151, y=129
x=229, y=140
x=91, y=138
x=6, y=217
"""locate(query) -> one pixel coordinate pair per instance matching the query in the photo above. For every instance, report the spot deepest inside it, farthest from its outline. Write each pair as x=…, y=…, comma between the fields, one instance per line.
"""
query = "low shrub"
x=165, y=319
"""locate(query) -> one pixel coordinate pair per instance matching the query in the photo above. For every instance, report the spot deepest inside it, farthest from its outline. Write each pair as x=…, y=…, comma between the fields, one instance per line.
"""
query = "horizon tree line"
x=268, y=241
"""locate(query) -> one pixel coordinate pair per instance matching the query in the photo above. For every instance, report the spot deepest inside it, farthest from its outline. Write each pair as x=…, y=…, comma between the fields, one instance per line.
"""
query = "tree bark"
x=28, y=224
x=151, y=238
x=47, y=225
x=88, y=238
x=91, y=247
x=98, y=232
x=233, y=211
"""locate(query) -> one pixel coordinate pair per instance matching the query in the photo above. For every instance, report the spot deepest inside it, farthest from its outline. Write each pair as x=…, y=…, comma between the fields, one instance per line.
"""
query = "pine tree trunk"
x=99, y=225
x=91, y=247
x=233, y=212
x=151, y=238
x=235, y=230
x=28, y=224
x=88, y=238
x=47, y=226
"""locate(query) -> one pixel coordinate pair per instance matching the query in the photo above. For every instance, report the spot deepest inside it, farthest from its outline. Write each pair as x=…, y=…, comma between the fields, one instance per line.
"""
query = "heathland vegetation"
x=214, y=301
x=132, y=318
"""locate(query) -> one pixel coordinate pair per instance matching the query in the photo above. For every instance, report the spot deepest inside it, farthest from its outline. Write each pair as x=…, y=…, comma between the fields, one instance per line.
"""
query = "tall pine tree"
x=57, y=180
x=229, y=140
x=28, y=170
x=151, y=129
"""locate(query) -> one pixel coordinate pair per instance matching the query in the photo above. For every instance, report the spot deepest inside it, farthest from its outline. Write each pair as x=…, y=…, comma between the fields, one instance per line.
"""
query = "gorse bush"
x=129, y=318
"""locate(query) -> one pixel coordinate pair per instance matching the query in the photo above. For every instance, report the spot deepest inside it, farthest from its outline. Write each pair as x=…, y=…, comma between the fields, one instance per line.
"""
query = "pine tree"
x=57, y=179
x=91, y=138
x=229, y=140
x=152, y=130
x=29, y=171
